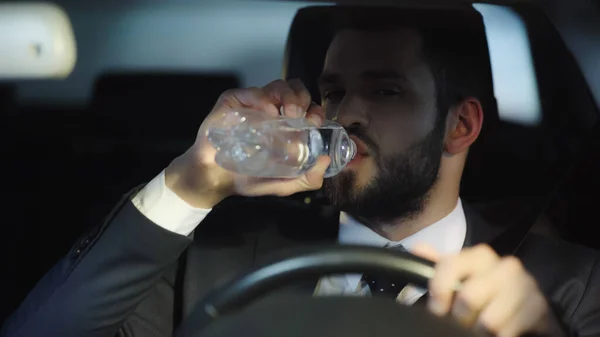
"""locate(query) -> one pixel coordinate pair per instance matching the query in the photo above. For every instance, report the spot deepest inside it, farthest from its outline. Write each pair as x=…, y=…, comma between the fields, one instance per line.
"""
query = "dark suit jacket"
x=129, y=277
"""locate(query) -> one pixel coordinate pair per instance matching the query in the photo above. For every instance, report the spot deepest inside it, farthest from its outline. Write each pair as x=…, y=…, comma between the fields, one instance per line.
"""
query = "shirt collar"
x=446, y=235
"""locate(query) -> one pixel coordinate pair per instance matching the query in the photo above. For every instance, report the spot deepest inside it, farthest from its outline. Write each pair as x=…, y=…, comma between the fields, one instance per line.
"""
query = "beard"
x=400, y=189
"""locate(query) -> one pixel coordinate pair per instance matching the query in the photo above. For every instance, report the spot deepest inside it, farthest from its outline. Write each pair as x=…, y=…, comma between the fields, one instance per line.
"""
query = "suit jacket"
x=130, y=277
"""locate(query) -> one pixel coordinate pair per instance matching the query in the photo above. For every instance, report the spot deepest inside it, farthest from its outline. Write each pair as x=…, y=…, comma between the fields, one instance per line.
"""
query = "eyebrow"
x=370, y=75
x=382, y=75
x=329, y=78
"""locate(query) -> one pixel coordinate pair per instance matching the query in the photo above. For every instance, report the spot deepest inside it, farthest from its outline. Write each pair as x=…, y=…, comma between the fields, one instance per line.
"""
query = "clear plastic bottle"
x=255, y=144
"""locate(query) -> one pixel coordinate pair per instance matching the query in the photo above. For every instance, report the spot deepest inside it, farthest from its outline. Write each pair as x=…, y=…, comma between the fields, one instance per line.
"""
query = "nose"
x=352, y=113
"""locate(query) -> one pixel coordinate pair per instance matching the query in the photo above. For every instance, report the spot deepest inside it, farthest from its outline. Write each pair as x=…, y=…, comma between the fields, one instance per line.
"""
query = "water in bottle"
x=256, y=144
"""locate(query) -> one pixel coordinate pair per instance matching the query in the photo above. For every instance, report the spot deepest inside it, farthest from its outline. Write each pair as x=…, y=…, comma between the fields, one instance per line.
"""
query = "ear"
x=465, y=120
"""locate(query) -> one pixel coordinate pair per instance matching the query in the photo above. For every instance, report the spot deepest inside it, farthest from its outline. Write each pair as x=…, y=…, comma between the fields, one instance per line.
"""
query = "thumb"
x=314, y=177
x=426, y=251
x=311, y=180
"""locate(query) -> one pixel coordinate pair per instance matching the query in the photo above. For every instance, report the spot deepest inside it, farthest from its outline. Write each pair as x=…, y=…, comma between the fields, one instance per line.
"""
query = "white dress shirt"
x=163, y=207
x=446, y=236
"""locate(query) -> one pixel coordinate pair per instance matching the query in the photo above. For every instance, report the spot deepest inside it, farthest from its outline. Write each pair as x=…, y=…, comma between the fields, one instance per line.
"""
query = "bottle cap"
x=348, y=150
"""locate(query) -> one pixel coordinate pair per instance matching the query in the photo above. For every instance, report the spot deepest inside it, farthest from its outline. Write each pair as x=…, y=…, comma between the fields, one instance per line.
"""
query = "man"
x=413, y=134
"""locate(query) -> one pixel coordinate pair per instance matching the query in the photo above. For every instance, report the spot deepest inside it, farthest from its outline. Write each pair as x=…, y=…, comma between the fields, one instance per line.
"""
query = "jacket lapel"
x=479, y=230
x=297, y=228
x=207, y=268
x=229, y=244
x=224, y=247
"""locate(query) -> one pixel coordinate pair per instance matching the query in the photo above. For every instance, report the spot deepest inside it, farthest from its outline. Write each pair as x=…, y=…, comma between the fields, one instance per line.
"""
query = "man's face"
x=379, y=87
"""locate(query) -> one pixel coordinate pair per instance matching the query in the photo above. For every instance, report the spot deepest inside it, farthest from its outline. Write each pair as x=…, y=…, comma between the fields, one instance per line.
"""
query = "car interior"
x=74, y=146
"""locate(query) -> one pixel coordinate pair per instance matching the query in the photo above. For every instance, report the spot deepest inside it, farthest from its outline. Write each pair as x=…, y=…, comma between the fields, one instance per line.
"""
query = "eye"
x=334, y=96
x=387, y=92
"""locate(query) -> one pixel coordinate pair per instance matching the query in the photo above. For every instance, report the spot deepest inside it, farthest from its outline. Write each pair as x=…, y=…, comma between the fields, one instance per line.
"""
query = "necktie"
x=383, y=286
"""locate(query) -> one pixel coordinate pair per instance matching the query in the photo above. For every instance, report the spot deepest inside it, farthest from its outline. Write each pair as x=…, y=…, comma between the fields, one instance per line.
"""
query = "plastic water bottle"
x=256, y=144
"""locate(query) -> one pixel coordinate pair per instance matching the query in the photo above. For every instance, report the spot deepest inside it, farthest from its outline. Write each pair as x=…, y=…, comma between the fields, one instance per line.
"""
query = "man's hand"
x=497, y=294
x=196, y=178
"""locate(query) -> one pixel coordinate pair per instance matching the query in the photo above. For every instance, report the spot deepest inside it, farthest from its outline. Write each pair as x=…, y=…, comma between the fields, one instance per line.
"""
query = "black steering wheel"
x=237, y=297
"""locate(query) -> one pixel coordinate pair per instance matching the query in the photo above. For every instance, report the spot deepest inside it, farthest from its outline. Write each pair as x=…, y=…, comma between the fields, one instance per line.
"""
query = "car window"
x=515, y=83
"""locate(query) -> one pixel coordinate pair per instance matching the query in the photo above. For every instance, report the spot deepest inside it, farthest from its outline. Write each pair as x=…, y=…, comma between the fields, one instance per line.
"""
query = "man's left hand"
x=497, y=294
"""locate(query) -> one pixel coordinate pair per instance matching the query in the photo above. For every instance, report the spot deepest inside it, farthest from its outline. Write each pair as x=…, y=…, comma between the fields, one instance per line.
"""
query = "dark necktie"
x=381, y=286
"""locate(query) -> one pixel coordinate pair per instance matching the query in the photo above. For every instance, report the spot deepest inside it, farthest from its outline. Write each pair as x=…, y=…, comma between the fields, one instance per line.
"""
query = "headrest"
x=7, y=98
x=157, y=103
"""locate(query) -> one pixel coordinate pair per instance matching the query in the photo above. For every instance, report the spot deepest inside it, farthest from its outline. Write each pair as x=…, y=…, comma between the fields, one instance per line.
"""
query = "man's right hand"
x=198, y=180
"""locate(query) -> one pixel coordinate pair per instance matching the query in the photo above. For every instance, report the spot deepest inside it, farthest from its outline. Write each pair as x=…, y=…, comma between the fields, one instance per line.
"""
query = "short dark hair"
x=454, y=46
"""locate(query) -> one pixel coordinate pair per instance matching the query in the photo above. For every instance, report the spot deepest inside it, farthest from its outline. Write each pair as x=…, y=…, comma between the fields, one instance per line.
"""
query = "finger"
x=315, y=114
x=426, y=251
x=474, y=295
x=285, y=97
x=479, y=290
x=301, y=92
x=311, y=180
x=450, y=271
x=253, y=98
x=534, y=317
x=518, y=288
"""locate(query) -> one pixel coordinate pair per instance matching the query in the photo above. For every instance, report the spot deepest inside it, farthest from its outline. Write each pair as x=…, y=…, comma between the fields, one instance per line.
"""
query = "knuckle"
x=255, y=90
x=466, y=298
x=305, y=97
x=540, y=305
x=277, y=83
x=530, y=283
x=484, y=250
x=281, y=88
x=446, y=275
x=228, y=93
x=469, y=294
x=450, y=262
x=240, y=91
x=490, y=323
x=513, y=264
x=434, y=287
x=297, y=84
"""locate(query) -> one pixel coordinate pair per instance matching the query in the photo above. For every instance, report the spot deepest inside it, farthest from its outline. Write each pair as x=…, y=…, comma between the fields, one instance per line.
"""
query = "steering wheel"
x=237, y=297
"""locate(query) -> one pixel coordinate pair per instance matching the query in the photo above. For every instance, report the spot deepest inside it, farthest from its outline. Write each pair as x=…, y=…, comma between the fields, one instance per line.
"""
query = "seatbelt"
x=512, y=239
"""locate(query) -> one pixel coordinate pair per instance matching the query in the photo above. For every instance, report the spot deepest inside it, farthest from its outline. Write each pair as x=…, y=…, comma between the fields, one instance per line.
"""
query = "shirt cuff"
x=166, y=209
